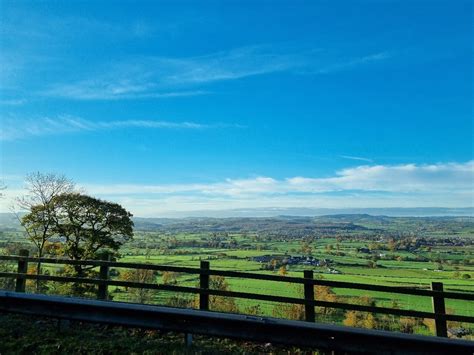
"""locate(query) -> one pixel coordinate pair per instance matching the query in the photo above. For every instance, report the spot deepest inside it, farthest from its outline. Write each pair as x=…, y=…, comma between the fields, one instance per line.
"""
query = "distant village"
x=275, y=261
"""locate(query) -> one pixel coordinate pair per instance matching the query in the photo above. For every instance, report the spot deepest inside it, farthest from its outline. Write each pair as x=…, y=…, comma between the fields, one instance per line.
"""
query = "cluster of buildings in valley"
x=292, y=260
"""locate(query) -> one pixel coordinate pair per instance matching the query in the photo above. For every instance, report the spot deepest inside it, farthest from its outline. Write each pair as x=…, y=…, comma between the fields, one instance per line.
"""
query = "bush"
x=289, y=311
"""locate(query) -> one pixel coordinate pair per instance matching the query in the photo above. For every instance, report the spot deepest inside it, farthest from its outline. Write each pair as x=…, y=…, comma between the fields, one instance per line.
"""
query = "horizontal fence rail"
x=310, y=300
x=238, y=274
x=261, y=329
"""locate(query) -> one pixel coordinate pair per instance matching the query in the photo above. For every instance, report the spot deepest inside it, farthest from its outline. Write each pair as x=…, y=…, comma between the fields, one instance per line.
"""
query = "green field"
x=388, y=273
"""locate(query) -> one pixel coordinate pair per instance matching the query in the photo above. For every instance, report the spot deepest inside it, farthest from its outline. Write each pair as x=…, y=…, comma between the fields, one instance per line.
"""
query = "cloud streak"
x=164, y=77
x=353, y=62
x=21, y=129
x=351, y=157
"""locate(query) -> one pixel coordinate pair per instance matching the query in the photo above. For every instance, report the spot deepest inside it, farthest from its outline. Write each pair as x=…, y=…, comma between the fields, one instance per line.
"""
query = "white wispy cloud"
x=39, y=58
x=61, y=29
x=407, y=178
x=13, y=129
x=353, y=62
x=12, y=102
x=351, y=157
x=161, y=77
x=406, y=185
x=97, y=90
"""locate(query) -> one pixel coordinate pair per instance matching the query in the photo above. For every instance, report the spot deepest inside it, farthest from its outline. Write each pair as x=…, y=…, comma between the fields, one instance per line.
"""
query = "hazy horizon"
x=300, y=212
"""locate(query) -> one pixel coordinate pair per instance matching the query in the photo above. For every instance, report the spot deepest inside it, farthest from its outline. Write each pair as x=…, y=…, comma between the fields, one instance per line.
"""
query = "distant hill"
x=8, y=221
x=427, y=219
x=276, y=212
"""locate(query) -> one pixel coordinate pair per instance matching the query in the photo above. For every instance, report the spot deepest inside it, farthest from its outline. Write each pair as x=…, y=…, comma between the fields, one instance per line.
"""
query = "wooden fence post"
x=22, y=269
x=309, y=296
x=439, y=308
x=204, y=284
x=103, y=275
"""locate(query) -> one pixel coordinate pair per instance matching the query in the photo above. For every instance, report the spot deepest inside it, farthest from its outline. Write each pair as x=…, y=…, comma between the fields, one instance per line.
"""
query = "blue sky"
x=182, y=106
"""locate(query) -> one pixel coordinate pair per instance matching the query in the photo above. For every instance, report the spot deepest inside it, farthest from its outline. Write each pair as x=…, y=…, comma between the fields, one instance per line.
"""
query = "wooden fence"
x=310, y=300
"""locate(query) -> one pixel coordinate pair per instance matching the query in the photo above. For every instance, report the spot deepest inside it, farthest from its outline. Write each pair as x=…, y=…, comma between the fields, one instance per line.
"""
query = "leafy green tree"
x=392, y=245
x=90, y=227
x=373, y=246
x=372, y=264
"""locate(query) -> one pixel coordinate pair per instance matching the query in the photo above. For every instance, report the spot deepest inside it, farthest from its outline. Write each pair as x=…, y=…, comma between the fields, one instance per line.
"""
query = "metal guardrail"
x=235, y=326
x=310, y=300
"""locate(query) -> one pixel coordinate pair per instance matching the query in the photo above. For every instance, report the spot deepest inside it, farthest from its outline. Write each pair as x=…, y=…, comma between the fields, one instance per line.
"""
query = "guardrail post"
x=22, y=269
x=204, y=284
x=103, y=275
x=188, y=339
x=439, y=308
x=309, y=296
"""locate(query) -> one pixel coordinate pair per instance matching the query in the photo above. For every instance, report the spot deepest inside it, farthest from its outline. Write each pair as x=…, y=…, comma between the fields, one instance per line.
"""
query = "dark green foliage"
x=31, y=335
x=179, y=301
x=91, y=227
x=7, y=283
x=79, y=227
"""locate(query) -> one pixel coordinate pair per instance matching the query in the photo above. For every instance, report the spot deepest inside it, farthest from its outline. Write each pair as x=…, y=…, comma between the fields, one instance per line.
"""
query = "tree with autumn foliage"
x=169, y=277
x=289, y=311
x=282, y=271
x=219, y=303
x=139, y=295
x=325, y=293
x=362, y=319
